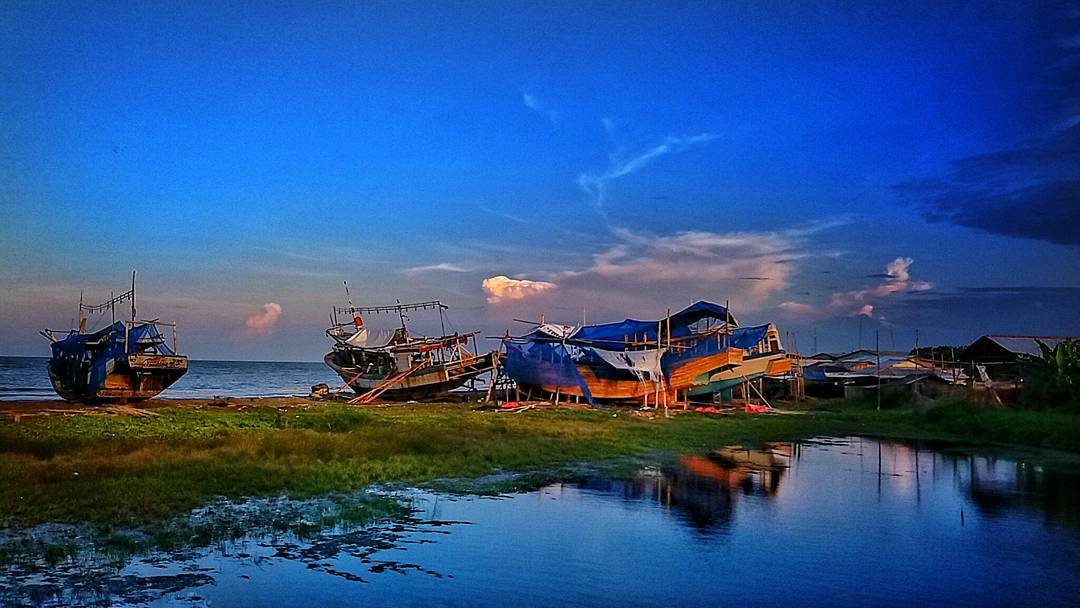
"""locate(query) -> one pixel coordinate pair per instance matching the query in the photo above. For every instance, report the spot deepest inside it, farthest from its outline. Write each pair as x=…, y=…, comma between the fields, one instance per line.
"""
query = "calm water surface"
x=851, y=522
x=26, y=378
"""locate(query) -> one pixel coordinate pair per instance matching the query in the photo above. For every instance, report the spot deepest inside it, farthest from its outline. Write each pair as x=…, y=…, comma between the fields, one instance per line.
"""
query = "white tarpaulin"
x=367, y=339
x=636, y=361
x=556, y=331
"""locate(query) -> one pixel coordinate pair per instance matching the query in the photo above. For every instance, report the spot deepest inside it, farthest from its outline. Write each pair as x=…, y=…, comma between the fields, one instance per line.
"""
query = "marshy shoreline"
x=83, y=489
x=125, y=465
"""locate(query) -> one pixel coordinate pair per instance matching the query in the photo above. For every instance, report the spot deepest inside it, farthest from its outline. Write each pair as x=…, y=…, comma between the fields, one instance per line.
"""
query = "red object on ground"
x=511, y=404
x=755, y=409
x=707, y=410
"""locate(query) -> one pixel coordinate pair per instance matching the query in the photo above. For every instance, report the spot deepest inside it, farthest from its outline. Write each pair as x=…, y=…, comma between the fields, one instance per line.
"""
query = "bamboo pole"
x=662, y=383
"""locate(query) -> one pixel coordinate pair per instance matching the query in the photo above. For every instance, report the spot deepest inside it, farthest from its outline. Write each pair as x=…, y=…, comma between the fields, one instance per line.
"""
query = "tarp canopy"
x=613, y=336
x=702, y=310
x=748, y=337
x=365, y=338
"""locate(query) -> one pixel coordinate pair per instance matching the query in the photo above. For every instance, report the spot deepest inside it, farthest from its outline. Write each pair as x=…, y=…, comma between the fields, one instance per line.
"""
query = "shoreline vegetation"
x=130, y=467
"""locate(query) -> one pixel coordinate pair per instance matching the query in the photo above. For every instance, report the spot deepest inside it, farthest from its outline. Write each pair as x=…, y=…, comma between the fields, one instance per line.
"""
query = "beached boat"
x=126, y=361
x=630, y=360
x=392, y=364
x=763, y=357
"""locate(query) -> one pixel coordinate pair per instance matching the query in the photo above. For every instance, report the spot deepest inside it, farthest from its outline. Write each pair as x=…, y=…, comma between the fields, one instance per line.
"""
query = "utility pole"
x=877, y=345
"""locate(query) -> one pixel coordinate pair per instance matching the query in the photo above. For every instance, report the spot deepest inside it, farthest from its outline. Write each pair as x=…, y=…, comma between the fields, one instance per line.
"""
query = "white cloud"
x=595, y=184
x=636, y=273
x=747, y=265
x=441, y=267
x=264, y=322
x=534, y=103
x=502, y=288
x=862, y=302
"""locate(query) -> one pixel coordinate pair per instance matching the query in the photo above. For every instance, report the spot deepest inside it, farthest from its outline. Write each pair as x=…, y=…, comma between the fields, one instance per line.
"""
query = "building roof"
x=1025, y=345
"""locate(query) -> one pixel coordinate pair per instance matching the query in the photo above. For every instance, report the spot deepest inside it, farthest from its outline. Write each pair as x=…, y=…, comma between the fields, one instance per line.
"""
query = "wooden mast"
x=132, y=296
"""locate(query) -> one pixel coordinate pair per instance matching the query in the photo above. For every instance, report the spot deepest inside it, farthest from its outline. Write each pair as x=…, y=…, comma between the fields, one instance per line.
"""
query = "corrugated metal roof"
x=1025, y=345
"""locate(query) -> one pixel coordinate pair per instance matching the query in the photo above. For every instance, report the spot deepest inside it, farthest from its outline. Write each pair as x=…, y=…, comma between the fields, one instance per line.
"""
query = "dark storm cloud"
x=1031, y=191
x=979, y=310
x=1021, y=289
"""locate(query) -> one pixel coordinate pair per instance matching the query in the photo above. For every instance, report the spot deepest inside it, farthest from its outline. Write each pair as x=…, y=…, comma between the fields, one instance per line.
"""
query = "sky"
x=845, y=172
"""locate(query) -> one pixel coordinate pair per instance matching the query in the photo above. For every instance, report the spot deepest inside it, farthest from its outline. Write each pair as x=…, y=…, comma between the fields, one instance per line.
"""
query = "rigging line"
x=449, y=322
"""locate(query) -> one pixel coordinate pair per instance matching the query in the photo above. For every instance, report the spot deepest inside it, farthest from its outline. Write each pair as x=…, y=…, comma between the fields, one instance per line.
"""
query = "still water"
x=831, y=522
x=27, y=378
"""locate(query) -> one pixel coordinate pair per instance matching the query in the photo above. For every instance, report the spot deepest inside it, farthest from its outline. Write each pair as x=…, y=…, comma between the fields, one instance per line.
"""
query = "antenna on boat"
x=82, y=319
x=348, y=296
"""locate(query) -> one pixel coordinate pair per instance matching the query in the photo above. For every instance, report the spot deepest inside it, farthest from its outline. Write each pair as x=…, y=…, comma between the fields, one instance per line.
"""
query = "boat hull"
x=632, y=389
x=426, y=384
x=140, y=378
x=769, y=364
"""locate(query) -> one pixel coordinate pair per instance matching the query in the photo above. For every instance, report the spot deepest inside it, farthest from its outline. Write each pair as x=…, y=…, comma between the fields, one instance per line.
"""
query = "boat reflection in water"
x=876, y=523
x=702, y=490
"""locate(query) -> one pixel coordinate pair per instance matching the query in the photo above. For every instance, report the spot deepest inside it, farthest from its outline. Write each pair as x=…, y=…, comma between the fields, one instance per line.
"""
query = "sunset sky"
x=825, y=168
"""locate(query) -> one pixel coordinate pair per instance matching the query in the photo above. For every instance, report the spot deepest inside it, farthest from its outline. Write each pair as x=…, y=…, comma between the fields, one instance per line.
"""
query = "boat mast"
x=401, y=315
x=82, y=318
x=132, y=296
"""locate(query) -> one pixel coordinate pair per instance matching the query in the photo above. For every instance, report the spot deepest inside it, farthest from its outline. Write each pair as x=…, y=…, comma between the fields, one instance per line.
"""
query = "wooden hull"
x=141, y=378
x=771, y=364
x=428, y=383
x=682, y=378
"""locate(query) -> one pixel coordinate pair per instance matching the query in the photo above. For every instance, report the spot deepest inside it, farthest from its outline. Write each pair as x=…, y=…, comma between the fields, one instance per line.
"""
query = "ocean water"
x=27, y=378
x=836, y=522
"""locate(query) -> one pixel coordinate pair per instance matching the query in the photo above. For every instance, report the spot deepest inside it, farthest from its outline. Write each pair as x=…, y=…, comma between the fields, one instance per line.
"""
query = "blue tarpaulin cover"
x=612, y=336
x=91, y=354
x=544, y=364
x=748, y=337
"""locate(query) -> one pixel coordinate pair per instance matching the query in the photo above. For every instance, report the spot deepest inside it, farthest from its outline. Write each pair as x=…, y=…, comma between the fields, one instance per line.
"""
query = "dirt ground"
x=58, y=407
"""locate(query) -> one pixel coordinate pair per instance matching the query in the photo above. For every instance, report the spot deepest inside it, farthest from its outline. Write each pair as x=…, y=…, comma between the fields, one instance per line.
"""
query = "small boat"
x=126, y=361
x=394, y=365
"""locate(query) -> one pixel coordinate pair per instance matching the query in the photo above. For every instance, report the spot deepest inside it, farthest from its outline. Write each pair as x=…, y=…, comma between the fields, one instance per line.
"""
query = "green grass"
x=116, y=470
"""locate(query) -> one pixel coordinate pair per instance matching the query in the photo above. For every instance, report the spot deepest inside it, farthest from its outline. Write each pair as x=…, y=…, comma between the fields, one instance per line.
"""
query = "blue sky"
x=823, y=167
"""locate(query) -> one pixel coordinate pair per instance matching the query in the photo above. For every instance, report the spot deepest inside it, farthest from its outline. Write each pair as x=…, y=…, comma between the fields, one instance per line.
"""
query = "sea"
x=25, y=378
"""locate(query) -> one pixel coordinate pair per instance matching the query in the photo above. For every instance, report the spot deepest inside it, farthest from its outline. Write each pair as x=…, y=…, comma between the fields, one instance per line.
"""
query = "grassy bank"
x=122, y=470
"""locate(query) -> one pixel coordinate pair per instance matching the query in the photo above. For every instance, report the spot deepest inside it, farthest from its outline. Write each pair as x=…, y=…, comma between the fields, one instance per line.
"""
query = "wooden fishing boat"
x=126, y=361
x=629, y=360
x=394, y=365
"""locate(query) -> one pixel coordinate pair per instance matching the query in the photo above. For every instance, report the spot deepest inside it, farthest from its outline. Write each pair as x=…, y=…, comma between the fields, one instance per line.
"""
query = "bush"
x=1055, y=378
